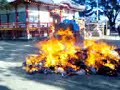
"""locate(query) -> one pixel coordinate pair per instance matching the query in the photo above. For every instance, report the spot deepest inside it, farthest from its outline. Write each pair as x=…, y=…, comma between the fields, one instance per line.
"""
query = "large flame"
x=100, y=51
x=60, y=52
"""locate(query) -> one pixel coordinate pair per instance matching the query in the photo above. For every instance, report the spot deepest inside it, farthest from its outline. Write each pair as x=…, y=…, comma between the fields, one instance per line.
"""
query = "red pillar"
x=38, y=16
x=49, y=13
x=49, y=24
x=7, y=20
x=16, y=13
x=27, y=22
x=0, y=19
x=39, y=19
x=61, y=8
x=16, y=22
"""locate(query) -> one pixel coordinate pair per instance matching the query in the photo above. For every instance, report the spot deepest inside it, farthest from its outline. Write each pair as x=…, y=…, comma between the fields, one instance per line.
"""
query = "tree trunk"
x=112, y=25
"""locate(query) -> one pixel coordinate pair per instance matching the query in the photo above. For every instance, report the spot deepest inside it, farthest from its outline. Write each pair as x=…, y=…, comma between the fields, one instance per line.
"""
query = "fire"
x=60, y=52
x=56, y=51
x=98, y=52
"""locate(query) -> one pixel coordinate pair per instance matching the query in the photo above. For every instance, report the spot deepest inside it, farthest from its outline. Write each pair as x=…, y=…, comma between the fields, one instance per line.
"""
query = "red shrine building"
x=33, y=17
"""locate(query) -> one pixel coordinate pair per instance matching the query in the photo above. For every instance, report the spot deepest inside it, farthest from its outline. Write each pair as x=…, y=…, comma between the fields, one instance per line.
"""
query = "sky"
x=10, y=0
x=56, y=1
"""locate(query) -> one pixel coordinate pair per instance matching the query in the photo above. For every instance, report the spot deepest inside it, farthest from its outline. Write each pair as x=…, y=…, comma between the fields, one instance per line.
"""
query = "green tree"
x=111, y=9
x=90, y=4
x=4, y=5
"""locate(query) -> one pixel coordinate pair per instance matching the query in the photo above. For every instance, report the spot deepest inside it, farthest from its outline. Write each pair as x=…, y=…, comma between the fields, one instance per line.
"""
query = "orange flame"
x=98, y=51
x=58, y=50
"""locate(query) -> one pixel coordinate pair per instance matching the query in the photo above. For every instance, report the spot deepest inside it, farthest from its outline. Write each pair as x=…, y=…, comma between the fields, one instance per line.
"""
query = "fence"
x=94, y=29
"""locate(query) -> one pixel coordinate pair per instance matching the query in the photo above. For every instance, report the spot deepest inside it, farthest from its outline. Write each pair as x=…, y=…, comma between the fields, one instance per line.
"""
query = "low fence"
x=96, y=29
x=19, y=29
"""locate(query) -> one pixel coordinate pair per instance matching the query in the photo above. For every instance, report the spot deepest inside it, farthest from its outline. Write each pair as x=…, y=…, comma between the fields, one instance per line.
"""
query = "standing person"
x=77, y=34
x=73, y=25
x=118, y=29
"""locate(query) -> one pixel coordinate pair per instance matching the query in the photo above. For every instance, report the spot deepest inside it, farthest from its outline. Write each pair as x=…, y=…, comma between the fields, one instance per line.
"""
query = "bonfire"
x=61, y=54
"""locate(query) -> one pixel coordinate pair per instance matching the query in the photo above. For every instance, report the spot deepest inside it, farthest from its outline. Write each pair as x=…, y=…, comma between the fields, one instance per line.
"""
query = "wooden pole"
x=61, y=13
x=27, y=21
x=0, y=19
x=16, y=13
x=39, y=19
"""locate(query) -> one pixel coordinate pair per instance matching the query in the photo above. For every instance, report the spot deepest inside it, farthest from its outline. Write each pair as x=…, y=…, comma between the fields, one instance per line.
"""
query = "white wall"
x=43, y=13
x=21, y=8
x=68, y=14
x=33, y=13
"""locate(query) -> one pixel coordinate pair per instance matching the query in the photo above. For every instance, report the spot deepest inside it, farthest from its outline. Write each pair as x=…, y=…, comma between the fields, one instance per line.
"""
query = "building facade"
x=33, y=17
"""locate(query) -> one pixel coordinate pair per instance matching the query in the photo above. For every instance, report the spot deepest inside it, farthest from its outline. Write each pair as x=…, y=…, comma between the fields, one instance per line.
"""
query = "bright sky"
x=10, y=0
x=56, y=1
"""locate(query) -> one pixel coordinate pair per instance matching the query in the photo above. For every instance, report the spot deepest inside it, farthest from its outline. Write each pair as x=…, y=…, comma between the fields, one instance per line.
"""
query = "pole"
x=27, y=21
x=97, y=15
x=97, y=11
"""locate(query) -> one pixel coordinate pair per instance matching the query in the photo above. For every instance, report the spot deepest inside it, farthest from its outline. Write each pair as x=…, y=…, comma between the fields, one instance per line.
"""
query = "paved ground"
x=12, y=77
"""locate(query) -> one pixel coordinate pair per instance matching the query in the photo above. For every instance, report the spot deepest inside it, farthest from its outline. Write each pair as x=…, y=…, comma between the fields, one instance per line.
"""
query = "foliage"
x=109, y=8
x=90, y=5
x=4, y=5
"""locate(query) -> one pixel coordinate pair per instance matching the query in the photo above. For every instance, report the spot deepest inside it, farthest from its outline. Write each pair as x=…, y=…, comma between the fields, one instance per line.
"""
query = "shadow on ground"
x=16, y=51
x=86, y=82
x=4, y=88
x=113, y=42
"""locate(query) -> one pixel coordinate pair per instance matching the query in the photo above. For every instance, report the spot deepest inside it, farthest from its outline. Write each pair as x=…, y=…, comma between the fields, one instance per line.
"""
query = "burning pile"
x=60, y=54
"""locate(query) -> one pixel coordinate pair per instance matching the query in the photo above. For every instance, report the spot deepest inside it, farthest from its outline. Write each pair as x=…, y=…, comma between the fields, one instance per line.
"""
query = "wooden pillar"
x=49, y=24
x=16, y=22
x=7, y=20
x=0, y=20
x=27, y=21
x=61, y=8
x=38, y=16
x=27, y=17
x=74, y=14
x=0, y=27
x=16, y=13
x=39, y=19
x=48, y=8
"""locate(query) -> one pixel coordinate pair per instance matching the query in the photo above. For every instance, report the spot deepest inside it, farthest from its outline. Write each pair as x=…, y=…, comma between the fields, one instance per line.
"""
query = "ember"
x=60, y=54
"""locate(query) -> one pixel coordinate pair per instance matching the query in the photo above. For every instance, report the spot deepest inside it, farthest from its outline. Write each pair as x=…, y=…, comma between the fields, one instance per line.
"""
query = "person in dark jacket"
x=118, y=29
x=75, y=28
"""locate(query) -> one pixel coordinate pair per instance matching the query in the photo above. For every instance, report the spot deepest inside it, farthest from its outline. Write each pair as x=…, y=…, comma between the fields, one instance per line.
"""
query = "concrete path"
x=12, y=77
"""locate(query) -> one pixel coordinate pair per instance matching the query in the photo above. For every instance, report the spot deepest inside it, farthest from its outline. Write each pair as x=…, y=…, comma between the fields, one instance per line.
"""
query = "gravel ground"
x=12, y=77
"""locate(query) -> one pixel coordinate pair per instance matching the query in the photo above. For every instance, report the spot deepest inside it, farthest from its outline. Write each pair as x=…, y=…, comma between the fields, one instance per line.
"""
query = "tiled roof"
x=73, y=4
x=68, y=3
x=46, y=1
x=64, y=3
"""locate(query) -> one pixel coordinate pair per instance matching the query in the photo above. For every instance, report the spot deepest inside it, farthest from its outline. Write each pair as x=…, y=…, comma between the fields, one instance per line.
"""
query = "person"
x=75, y=29
x=118, y=29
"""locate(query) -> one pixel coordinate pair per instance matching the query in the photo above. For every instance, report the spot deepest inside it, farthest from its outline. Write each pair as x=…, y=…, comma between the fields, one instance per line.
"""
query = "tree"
x=111, y=9
x=90, y=4
x=4, y=5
